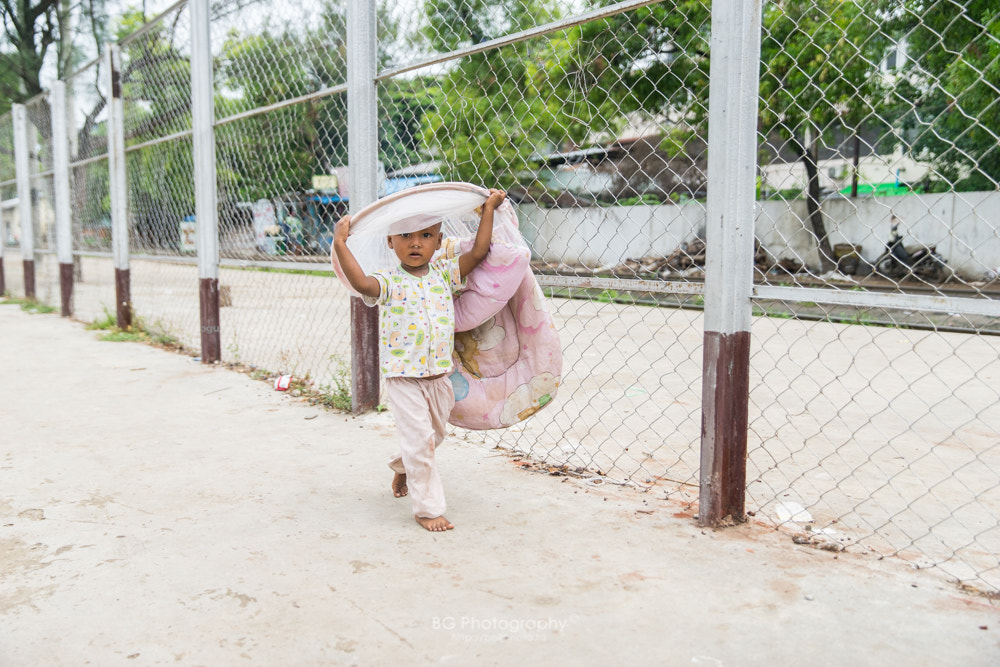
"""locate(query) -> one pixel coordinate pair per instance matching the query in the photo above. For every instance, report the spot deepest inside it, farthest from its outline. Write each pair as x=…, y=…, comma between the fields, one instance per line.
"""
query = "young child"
x=416, y=338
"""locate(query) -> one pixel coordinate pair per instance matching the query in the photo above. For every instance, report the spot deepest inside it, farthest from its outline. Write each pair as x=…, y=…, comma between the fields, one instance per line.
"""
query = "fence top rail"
x=37, y=99
x=160, y=140
x=324, y=92
x=86, y=161
x=888, y=300
x=623, y=284
x=523, y=35
x=83, y=68
x=152, y=23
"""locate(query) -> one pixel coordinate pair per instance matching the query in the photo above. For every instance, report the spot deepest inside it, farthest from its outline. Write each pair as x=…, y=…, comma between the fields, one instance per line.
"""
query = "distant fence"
x=860, y=413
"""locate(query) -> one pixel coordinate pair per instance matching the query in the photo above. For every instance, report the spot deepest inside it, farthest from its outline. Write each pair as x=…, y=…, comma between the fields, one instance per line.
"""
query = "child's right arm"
x=363, y=284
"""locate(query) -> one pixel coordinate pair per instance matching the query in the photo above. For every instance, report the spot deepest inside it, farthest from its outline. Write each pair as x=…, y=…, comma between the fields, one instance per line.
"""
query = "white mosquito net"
x=454, y=204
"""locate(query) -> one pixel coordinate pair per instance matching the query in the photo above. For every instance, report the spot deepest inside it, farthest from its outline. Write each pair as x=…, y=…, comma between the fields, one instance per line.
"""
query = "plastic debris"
x=792, y=511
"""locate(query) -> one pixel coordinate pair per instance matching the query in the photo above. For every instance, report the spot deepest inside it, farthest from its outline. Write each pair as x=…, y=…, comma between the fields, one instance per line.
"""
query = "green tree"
x=453, y=24
x=402, y=105
x=492, y=111
x=947, y=92
x=8, y=81
x=495, y=112
x=490, y=116
x=278, y=152
x=157, y=102
x=30, y=28
x=652, y=60
x=271, y=153
x=819, y=61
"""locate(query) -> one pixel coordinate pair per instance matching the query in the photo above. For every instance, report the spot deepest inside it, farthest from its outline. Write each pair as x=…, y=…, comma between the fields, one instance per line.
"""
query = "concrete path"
x=157, y=511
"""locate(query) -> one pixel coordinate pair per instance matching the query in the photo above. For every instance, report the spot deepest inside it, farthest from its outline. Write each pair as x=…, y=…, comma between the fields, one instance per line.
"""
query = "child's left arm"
x=467, y=261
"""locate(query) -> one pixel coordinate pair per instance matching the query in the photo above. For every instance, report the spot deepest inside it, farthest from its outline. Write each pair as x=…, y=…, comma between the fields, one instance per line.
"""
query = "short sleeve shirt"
x=417, y=319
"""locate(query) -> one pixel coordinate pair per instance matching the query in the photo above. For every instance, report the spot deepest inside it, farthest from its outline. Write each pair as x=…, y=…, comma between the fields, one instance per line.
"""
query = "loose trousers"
x=421, y=409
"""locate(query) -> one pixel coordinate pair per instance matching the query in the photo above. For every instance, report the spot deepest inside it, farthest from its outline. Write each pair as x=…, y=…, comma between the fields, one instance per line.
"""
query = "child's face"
x=416, y=249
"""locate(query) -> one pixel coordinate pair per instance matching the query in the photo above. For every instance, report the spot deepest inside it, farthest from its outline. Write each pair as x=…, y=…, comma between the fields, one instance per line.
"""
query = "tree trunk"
x=64, y=47
x=857, y=160
x=809, y=155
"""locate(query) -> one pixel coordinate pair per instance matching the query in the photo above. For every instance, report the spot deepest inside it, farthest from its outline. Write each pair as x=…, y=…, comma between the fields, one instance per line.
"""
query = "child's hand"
x=495, y=199
x=473, y=257
x=342, y=230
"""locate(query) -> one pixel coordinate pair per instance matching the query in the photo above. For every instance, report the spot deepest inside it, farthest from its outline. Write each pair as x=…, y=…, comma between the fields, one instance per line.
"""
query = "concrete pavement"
x=157, y=511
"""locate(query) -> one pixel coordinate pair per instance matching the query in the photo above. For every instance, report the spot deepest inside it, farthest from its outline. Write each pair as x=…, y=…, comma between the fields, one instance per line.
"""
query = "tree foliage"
x=273, y=149
x=452, y=24
x=491, y=111
x=818, y=64
x=947, y=92
x=490, y=116
x=30, y=28
x=496, y=112
x=653, y=60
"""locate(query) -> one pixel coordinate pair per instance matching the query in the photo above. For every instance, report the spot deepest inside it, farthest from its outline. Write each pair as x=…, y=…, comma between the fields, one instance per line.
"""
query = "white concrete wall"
x=606, y=236
x=965, y=227
x=872, y=169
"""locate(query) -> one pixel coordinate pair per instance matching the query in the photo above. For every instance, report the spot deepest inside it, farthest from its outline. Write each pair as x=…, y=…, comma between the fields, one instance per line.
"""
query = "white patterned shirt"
x=417, y=319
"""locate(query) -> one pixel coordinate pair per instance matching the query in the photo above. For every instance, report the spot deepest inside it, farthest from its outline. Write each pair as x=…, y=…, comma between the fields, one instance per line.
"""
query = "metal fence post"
x=362, y=137
x=205, y=183
x=3, y=282
x=732, y=135
x=60, y=178
x=24, y=199
x=3, y=239
x=118, y=187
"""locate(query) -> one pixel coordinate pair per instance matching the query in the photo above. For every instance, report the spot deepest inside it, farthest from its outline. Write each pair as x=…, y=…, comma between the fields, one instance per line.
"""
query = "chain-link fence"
x=873, y=408
x=157, y=131
x=93, y=294
x=39, y=128
x=544, y=101
x=8, y=204
x=878, y=182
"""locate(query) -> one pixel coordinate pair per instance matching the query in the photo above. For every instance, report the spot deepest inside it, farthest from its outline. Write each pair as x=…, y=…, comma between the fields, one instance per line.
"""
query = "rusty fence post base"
x=364, y=357
x=66, y=288
x=123, y=299
x=211, y=336
x=725, y=397
x=29, y=279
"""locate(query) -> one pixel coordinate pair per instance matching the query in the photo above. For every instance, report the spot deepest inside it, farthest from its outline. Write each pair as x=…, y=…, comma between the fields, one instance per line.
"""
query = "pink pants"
x=421, y=408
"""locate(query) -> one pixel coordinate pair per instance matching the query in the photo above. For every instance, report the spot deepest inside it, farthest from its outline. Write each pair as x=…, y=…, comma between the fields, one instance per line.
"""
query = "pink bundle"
x=508, y=359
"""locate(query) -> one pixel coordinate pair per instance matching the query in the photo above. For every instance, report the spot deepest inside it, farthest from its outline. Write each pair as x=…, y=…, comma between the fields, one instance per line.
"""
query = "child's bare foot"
x=436, y=525
x=399, y=485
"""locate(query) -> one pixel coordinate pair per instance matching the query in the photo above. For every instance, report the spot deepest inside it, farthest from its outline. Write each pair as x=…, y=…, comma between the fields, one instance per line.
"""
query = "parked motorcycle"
x=898, y=261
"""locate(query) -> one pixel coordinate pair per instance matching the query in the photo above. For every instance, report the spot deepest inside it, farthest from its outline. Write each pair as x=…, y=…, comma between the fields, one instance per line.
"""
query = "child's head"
x=415, y=249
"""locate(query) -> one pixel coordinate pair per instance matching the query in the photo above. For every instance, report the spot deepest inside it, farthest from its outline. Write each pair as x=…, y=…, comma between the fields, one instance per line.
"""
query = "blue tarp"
x=327, y=199
x=395, y=184
x=392, y=186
